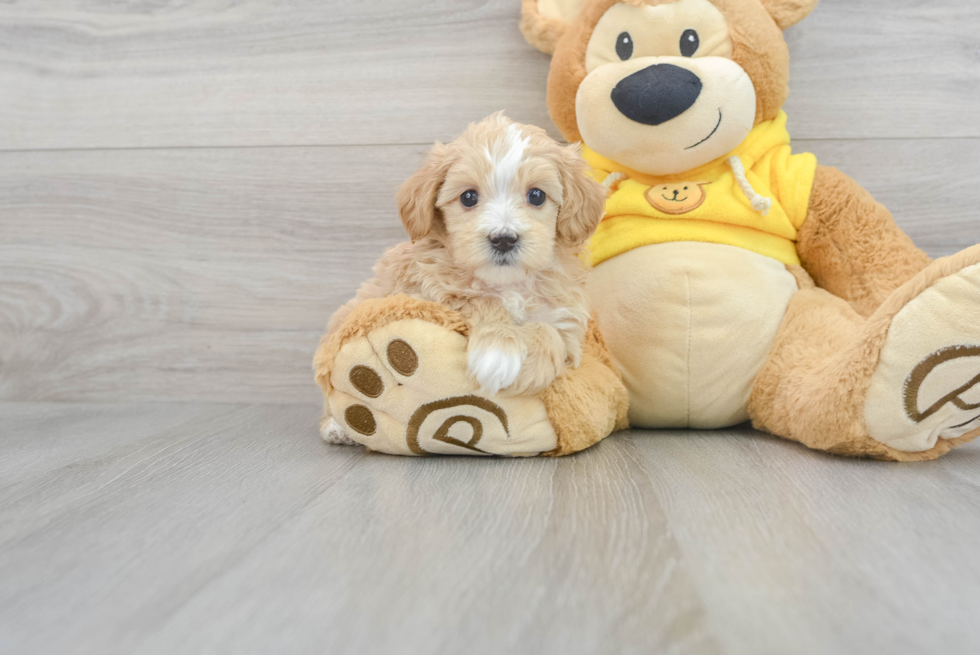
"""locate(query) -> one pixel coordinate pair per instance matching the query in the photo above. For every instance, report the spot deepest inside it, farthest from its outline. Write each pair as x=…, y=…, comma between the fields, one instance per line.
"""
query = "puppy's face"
x=499, y=203
x=503, y=198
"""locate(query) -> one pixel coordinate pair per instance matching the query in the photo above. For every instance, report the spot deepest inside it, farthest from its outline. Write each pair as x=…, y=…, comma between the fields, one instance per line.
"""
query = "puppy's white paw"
x=332, y=433
x=494, y=369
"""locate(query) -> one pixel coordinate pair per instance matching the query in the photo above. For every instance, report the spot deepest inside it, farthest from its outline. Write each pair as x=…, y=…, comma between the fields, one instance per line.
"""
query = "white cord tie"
x=759, y=202
x=613, y=179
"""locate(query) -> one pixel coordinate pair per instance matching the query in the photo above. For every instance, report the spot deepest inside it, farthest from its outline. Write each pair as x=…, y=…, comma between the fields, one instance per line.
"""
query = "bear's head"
x=663, y=86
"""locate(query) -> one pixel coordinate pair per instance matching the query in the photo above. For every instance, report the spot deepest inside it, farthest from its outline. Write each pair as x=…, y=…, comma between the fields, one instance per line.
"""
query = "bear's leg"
x=901, y=385
x=395, y=379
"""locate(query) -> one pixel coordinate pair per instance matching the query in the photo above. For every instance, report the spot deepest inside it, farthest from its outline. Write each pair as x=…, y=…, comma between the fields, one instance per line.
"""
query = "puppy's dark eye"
x=469, y=198
x=689, y=43
x=536, y=197
x=624, y=46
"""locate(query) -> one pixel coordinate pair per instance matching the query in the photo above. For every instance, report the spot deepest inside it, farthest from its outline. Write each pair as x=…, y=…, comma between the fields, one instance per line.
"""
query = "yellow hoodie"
x=707, y=203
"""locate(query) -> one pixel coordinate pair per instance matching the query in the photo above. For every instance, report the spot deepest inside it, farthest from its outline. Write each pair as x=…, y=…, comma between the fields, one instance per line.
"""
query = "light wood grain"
x=237, y=530
x=803, y=552
x=246, y=72
x=886, y=69
x=243, y=72
x=209, y=274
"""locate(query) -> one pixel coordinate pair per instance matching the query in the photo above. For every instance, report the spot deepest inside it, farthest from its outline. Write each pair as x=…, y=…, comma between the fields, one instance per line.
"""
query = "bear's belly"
x=690, y=324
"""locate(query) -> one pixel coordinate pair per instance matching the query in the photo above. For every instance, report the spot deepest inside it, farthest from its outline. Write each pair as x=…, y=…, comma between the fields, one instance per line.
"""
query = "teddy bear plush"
x=733, y=279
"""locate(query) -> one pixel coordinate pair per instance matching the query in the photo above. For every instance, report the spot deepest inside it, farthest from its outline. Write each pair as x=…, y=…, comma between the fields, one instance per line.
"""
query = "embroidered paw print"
x=366, y=380
x=927, y=384
x=404, y=389
x=947, y=381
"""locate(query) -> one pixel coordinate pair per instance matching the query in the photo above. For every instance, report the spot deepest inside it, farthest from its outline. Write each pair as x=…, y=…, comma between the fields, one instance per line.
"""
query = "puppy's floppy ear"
x=544, y=21
x=417, y=196
x=584, y=202
x=789, y=12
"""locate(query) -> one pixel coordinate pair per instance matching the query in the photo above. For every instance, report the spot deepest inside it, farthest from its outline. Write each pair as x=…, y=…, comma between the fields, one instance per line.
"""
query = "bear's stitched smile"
x=675, y=199
x=710, y=135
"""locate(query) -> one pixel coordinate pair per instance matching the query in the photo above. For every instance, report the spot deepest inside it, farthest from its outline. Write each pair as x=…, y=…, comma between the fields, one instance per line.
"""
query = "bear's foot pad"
x=927, y=384
x=404, y=389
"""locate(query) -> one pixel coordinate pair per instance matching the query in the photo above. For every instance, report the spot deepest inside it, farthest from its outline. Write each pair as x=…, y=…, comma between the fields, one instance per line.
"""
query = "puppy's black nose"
x=656, y=94
x=503, y=242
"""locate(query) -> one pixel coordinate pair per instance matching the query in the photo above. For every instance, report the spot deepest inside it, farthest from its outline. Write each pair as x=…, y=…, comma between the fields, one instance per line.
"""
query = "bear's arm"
x=851, y=246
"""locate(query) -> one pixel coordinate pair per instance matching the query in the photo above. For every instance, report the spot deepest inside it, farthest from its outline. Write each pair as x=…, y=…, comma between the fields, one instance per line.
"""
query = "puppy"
x=497, y=219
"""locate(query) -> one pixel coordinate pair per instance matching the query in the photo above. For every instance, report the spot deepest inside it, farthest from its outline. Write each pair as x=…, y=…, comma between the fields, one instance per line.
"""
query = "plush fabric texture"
x=706, y=204
x=589, y=402
x=940, y=382
x=394, y=377
x=851, y=245
x=814, y=386
x=655, y=302
x=759, y=48
x=758, y=284
x=543, y=21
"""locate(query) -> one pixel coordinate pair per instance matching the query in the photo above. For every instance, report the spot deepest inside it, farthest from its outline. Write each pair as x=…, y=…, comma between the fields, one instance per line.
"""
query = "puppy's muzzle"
x=656, y=94
x=503, y=242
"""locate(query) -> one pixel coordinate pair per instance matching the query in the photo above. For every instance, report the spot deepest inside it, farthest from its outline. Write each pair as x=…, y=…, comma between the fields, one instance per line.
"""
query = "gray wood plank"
x=258, y=73
x=885, y=69
x=39, y=437
x=802, y=552
x=295, y=546
x=87, y=75
x=202, y=273
x=95, y=554
x=449, y=556
x=241, y=532
x=208, y=274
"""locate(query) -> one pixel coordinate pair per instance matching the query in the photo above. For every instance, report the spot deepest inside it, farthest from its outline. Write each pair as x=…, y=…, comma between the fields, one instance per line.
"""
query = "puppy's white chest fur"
x=516, y=305
x=524, y=304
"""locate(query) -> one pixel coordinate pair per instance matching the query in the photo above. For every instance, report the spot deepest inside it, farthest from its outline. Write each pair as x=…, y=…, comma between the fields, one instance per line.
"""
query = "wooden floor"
x=188, y=189
x=207, y=528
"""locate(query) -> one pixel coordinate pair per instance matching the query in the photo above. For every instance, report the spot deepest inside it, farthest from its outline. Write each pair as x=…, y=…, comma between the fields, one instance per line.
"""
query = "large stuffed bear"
x=734, y=280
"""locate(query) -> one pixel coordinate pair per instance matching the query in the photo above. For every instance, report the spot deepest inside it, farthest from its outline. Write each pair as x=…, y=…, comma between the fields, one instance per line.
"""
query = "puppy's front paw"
x=494, y=368
x=332, y=433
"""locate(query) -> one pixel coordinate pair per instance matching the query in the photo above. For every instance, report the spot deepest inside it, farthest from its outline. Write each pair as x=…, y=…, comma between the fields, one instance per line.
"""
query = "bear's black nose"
x=656, y=94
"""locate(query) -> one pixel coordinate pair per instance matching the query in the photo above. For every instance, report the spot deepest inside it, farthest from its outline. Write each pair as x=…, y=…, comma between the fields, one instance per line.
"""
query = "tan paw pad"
x=404, y=389
x=927, y=385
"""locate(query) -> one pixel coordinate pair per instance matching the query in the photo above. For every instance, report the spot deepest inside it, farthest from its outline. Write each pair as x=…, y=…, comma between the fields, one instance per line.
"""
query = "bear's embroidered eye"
x=624, y=45
x=536, y=197
x=689, y=43
x=469, y=198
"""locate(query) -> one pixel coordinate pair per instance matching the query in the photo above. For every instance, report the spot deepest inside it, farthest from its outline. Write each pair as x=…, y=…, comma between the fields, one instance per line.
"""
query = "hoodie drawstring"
x=759, y=202
x=613, y=179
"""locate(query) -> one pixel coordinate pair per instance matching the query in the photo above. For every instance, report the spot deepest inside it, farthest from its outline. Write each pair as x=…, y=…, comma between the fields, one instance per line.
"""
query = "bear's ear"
x=544, y=21
x=789, y=12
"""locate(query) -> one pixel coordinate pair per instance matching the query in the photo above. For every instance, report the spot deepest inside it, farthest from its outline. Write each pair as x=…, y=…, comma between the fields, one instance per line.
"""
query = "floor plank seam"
x=414, y=144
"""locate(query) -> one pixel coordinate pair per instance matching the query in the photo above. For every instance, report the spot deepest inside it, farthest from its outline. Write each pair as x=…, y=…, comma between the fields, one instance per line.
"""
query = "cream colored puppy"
x=497, y=219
